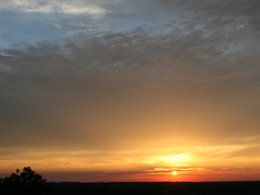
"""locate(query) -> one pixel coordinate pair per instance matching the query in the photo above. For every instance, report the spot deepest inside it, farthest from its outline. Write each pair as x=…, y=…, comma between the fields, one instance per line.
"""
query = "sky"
x=120, y=90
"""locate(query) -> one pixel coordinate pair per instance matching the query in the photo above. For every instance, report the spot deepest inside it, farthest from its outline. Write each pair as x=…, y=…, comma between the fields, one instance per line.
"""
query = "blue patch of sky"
x=17, y=28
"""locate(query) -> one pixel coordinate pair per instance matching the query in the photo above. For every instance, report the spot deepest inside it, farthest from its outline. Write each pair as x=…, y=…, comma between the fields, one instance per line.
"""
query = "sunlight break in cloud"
x=53, y=6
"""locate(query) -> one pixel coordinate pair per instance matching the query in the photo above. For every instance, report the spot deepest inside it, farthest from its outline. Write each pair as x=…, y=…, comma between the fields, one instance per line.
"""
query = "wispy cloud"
x=6, y=68
x=93, y=8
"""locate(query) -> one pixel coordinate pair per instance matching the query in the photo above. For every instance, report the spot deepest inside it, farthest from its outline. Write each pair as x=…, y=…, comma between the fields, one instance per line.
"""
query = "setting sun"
x=174, y=173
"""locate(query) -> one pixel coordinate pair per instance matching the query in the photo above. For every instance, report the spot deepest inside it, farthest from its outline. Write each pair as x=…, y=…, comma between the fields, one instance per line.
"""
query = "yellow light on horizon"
x=174, y=172
x=177, y=158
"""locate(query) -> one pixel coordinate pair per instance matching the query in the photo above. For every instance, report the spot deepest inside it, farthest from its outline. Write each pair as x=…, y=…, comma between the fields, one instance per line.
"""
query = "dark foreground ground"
x=175, y=188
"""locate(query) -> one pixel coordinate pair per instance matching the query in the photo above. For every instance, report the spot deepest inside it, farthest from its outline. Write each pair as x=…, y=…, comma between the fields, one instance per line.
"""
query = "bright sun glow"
x=180, y=158
x=177, y=158
x=174, y=172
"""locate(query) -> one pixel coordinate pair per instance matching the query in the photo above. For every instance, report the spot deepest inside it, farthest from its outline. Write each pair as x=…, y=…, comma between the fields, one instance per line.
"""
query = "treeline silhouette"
x=25, y=182
x=26, y=176
x=28, y=182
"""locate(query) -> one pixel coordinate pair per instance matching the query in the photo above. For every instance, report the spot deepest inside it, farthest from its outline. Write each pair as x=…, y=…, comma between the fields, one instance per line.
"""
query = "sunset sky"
x=130, y=90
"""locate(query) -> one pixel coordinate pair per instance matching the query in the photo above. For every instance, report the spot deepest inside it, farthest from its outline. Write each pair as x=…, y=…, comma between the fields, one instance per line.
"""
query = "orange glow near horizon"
x=199, y=164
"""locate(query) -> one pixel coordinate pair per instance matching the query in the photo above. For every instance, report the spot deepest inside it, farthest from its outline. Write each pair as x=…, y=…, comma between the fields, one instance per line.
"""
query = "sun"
x=174, y=172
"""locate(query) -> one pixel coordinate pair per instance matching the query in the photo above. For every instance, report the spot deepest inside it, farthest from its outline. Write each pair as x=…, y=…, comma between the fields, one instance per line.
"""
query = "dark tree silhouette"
x=24, y=183
x=26, y=176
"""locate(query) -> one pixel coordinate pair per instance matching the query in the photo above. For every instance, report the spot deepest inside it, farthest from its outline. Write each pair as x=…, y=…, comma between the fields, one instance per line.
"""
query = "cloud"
x=170, y=169
x=6, y=68
x=72, y=77
x=92, y=8
x=219, y=8
x=83, y=25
